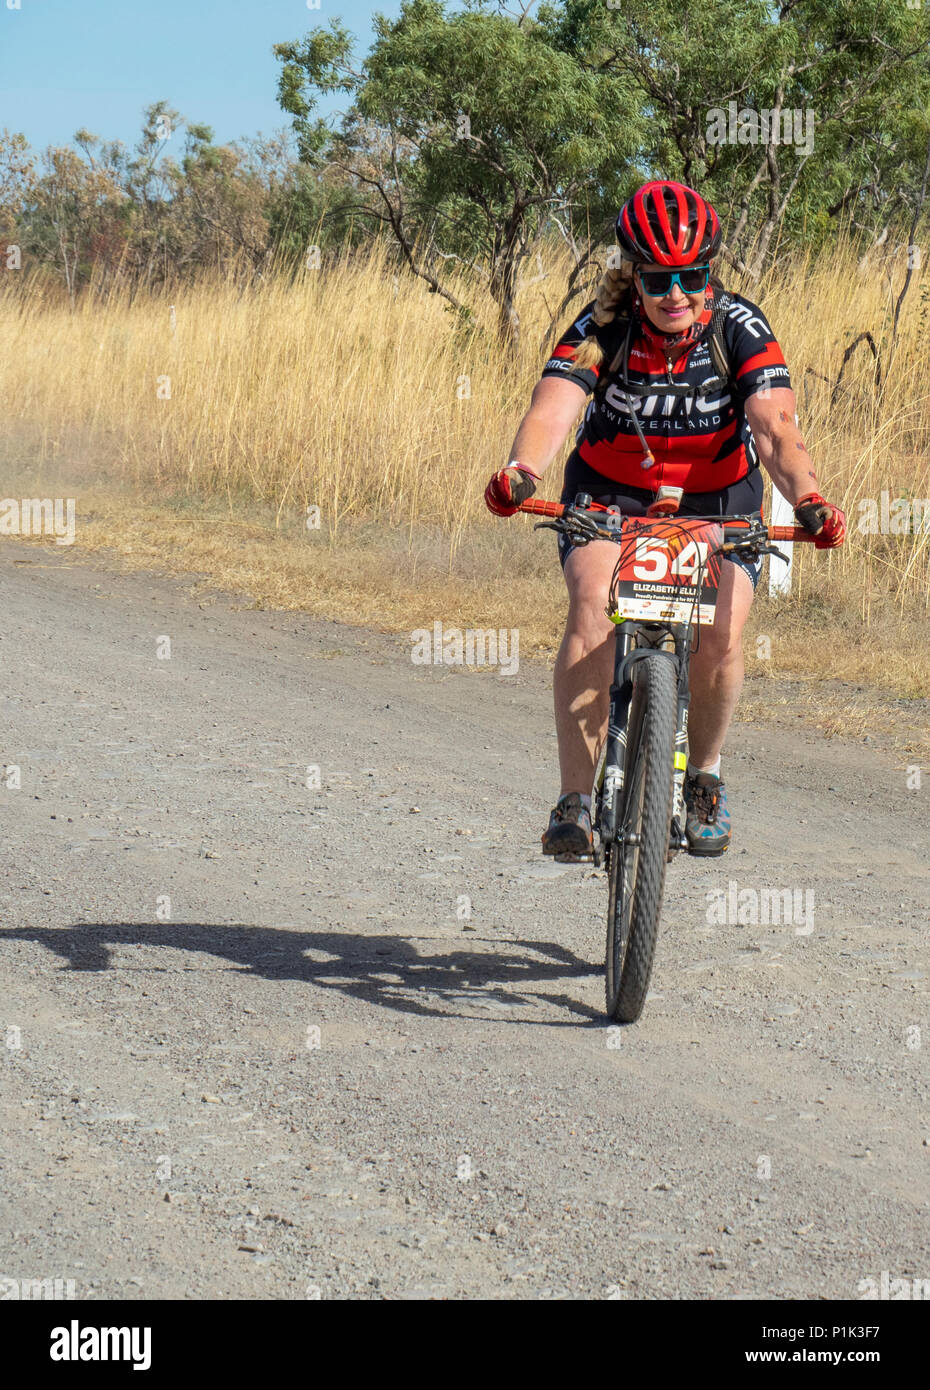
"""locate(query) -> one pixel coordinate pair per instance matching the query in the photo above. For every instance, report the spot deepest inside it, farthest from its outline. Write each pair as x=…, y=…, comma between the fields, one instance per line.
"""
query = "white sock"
x=714, y=768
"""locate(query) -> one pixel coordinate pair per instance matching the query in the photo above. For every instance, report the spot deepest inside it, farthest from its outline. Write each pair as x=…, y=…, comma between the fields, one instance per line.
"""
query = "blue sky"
x=65, y=64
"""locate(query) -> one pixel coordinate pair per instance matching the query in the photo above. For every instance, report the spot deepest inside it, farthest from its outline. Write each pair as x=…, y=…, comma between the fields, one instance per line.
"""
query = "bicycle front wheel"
x=638, y=855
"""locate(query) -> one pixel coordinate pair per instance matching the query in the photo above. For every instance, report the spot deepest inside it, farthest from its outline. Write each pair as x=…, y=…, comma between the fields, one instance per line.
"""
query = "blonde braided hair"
x=613, y=287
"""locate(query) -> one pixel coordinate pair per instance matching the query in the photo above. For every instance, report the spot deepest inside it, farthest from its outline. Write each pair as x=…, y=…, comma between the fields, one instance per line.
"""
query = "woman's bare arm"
x=554, y=408
x=782, y=451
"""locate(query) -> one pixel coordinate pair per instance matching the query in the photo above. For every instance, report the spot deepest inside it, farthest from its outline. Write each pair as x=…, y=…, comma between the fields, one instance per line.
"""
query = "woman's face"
x=674, y=312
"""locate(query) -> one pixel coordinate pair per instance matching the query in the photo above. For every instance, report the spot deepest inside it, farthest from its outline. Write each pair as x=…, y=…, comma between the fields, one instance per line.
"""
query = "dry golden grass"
x=352, y=389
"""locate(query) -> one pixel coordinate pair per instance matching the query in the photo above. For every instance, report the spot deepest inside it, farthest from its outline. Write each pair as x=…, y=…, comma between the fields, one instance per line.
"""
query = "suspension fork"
x=621, y=693
x=615, y=748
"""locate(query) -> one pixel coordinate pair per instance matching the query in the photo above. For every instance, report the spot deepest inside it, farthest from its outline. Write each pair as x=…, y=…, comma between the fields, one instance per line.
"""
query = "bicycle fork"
x=609, y=798
x=611, y=787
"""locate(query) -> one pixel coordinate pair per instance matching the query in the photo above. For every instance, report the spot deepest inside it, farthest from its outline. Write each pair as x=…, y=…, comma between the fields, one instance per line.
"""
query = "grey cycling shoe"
x=569, y=829
x=708, y=819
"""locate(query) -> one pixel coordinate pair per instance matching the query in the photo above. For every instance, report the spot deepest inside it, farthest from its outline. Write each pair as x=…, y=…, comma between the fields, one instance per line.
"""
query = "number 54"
x=654, y=562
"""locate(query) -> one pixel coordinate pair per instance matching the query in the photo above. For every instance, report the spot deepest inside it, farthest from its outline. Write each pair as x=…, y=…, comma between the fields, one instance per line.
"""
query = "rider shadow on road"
x=385, y=970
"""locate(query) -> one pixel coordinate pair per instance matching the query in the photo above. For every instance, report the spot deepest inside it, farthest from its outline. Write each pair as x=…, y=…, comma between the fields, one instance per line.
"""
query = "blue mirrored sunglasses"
x=691, y=279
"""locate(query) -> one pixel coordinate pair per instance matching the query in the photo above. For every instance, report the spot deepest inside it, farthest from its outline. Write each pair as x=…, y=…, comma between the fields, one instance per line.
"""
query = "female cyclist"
x=688, y=389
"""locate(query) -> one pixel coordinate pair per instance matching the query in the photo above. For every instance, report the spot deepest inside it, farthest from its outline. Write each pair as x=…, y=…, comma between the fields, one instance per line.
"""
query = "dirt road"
x=265, y=1039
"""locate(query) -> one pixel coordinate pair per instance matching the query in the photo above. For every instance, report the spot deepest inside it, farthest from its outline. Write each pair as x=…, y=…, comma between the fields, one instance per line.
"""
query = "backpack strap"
x=716, y=341
x=621, y=356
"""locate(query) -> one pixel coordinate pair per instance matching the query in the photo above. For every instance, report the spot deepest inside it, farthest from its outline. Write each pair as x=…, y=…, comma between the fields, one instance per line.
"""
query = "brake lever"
x=585, y=525
x=579, y=529
x=752, y=542
x=757, y=550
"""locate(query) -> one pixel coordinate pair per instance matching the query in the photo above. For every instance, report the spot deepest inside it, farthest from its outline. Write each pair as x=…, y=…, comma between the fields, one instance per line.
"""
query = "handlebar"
x=558, y=509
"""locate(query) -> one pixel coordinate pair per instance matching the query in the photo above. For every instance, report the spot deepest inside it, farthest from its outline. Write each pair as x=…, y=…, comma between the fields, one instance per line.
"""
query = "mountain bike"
x=663, y=589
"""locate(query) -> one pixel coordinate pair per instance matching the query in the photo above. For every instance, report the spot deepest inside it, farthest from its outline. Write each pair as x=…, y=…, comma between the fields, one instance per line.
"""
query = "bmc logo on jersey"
x=747, y=318
x=650, y=405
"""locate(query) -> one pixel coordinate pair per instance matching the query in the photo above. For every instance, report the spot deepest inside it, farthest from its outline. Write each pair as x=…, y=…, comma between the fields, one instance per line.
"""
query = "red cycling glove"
x=824, y=521
x=508, y=488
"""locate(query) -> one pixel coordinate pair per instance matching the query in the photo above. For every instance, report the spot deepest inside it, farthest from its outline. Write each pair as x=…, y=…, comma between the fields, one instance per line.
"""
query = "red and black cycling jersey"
x=700, y=443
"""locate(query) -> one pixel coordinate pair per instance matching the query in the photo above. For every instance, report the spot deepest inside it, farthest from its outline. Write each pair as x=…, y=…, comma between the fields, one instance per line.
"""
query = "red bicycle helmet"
x=667, y=223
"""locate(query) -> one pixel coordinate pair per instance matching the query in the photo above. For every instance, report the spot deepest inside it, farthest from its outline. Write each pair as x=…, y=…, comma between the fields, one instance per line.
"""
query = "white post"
x=779, y=573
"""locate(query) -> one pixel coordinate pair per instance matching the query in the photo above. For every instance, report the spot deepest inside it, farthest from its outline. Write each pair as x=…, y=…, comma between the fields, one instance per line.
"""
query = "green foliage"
x=469, y=133
x=319, y=62
x=472, y=135
x=858, y=71
x=312, y=209
x=106, y=214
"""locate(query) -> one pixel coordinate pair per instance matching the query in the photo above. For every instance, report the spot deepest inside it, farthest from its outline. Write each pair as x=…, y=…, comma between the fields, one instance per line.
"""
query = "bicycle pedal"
x=573, y=858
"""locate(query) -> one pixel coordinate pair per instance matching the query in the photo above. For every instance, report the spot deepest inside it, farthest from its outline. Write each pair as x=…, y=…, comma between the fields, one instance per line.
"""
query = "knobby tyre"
x=637, y=871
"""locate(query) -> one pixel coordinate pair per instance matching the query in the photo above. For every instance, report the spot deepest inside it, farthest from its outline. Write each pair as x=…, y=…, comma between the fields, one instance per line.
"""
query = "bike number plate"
x=668, y=570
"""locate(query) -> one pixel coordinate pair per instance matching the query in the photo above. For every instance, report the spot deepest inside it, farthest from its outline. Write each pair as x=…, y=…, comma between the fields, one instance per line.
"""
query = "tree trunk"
x=913, y=232
x=502, y=291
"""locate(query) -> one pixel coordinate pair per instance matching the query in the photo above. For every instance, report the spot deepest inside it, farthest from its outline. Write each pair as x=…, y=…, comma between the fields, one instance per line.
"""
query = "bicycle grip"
x=789, y=533
x=538, y=508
